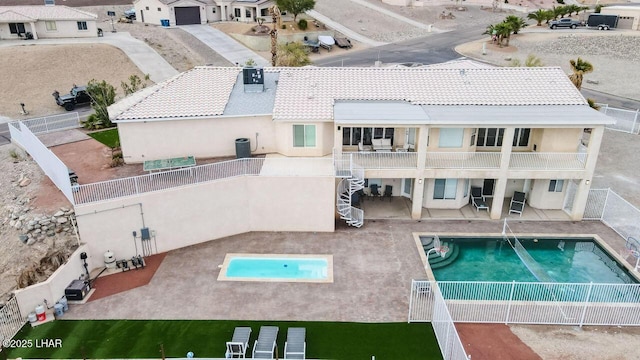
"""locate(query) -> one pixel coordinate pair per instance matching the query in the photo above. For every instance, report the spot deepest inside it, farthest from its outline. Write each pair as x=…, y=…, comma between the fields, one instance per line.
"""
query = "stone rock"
x=12, y=223
x=66, y=228
x=23, y=238
x=22, y=217
x=44, y=222
x=59, y=213
x=37, y=226
x=50, y=233
x=14, y=216
x=44, y=228
x=18, y=224
x=37, y=231
x=30, y=227
x=64, y=209
x=31, y=241
x=62, y=220
x=24, y=182
x=32, y=222
x=58, y=229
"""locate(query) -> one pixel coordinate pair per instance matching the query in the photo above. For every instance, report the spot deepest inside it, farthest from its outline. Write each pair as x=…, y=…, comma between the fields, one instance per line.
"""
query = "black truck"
x=77, y=96
x=602, y=22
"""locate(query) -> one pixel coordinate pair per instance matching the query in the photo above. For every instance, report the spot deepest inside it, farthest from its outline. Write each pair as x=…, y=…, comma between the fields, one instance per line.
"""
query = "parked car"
x=130, y=14
x=564, y=22
x=77, y=96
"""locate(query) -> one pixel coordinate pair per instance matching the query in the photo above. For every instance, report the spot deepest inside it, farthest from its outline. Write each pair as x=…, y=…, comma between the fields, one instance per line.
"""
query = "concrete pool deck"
x=373, y=269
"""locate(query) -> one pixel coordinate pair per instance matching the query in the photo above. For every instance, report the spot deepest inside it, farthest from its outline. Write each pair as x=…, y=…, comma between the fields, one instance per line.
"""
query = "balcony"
x=467, y=160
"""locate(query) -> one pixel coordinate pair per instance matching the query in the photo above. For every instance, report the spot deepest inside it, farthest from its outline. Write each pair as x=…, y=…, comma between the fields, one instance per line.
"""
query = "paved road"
x=225, y=45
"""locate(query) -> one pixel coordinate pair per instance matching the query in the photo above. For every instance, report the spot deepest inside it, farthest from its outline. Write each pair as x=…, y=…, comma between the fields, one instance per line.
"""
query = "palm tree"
x=539, y=16
x=579, y=68
x=503, y=31
x=516, y=22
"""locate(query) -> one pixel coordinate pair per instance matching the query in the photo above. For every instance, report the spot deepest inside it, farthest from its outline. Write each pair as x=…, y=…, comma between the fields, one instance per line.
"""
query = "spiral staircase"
x=353, y=181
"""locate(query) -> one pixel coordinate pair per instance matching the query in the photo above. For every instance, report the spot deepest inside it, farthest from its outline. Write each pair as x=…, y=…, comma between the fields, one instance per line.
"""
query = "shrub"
x=284, y=27
x=302, y=24
x=560, y=1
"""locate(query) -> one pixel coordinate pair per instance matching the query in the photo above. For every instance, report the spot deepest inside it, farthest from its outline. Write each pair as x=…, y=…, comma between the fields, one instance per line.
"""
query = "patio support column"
x=223, y=12
x=418, y=185
x=33, y=31
x=416, y=198
x=501, y=181
x=582, y=193
x=337, y=141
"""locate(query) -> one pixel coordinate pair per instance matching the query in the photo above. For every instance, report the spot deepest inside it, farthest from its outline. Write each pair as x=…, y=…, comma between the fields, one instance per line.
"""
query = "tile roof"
x=199, y=92
x=42, y=12
x=310, y=93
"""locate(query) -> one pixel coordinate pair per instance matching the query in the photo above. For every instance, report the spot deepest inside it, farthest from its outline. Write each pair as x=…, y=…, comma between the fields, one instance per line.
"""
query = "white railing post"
x=413, y=286
x=135, y=184
x=604, y=205
x=513, y=288
x=46, y=125
x=635, y=120
x=586, y=303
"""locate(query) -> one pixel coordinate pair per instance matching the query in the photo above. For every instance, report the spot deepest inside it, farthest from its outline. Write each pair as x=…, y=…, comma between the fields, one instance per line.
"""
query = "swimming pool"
x=562, y=260
x=277, y=268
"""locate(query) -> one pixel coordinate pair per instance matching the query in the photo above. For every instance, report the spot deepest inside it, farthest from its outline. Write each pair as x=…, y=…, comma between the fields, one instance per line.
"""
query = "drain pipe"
x=117, y=208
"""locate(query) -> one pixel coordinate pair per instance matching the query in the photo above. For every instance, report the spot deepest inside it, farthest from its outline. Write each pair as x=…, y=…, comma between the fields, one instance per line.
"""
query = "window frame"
x=553, y=185
x=48, y=27
x=365, y=135
x=82, y=26
x=305, y=140
x=521, y=137
x=451, y=141
x=446, y=193
x=14, y=28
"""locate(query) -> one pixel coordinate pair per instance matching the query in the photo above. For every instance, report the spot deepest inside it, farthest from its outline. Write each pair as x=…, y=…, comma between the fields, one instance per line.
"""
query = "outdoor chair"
x=375, y=190
x=477, y=199
x=356, y=197
x=517, y=203
x=388, y=190
x=265, y=346
x=295, y=347
x=237, y=347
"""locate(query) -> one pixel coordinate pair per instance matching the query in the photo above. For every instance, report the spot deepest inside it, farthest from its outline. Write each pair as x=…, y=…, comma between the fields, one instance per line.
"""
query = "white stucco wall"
x=429, y=202
x=630, y=11
x=67, y=29
x=555, y=140
x=147, y=10
x=194, y=214
x=324, y=139
x=51, y=289
x=540, y=197
x=201, y=138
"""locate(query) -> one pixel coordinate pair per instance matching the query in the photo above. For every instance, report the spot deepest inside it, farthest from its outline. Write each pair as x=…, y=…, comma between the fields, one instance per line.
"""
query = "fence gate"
x=10, y=320
x=421, y=301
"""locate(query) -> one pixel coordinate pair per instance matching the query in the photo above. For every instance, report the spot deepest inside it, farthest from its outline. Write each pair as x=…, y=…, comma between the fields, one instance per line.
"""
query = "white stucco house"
x=628, y=16
x=46, y=21
x=185, y=12
x=430, y=134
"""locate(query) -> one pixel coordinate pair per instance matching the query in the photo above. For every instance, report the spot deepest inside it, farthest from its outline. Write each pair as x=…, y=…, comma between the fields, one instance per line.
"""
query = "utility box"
x=77, y=290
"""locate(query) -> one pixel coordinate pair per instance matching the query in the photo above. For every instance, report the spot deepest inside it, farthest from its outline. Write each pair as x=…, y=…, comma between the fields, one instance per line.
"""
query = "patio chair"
x=265, y=346
x=237, y=347
x=295, y=347
x=388, y=190
x=517, y=203
x=374, y=190
x=477, y=199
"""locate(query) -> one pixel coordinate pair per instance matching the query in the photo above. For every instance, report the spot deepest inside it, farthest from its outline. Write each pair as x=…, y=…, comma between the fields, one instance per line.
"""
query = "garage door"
x=187, y=15
x=625, y=22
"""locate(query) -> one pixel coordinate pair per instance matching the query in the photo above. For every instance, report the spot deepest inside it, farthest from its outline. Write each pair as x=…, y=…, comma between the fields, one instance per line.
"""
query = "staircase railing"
x=352, y=182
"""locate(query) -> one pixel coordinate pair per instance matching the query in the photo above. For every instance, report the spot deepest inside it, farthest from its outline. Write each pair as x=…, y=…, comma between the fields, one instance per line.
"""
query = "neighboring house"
x=628, y=16
x=50, y=21
x=430, y=132
x=185, y=12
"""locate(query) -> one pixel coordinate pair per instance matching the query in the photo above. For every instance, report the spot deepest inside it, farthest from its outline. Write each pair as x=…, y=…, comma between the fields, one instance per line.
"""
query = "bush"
x=302, y=24
x=284, y=27
x=560, y=1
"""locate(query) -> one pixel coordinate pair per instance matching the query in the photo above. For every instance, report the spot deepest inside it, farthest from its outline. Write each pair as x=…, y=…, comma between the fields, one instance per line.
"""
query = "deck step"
x=450, y=257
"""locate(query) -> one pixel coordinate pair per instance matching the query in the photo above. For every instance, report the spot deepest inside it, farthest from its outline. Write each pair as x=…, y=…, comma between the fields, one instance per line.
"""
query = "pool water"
x=277, y=268
x=578, y=260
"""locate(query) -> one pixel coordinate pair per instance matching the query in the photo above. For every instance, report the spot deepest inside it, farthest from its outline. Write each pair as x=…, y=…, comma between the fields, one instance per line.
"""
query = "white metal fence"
x=52, y=123
x=626, y=120
x=427, y=305
x=548, y=161
x=614, y=211
x=52, y=166
x=10, y=320
x=531, y=303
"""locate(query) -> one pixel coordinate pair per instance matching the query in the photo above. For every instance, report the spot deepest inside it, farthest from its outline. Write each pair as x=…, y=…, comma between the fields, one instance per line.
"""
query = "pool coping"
x=608, y=248
x=227, y=259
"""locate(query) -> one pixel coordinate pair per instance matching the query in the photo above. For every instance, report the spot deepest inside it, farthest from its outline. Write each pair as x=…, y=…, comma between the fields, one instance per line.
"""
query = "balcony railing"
x=385, y=160
x=547, y=161
x=463, y=160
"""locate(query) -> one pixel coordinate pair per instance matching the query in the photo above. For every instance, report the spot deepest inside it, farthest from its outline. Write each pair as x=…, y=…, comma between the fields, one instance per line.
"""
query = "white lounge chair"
x=478, y=200
x=295, y=347
x=265, y=346
x=239, y=343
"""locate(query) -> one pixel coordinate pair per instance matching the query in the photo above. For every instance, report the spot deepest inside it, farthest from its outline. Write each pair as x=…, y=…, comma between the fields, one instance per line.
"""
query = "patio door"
x=410, y=137
x=406, y=188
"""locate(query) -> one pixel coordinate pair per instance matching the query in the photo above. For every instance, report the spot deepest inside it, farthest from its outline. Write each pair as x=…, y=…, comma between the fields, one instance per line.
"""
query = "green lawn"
x=108, y=137
x=101, y=339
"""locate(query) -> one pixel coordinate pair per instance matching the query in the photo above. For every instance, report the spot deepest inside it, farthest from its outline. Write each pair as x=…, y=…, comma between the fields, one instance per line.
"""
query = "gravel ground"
x=613, y=54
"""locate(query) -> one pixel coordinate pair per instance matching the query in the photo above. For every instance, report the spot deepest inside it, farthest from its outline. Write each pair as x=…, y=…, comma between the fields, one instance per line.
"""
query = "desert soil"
x=91, y=160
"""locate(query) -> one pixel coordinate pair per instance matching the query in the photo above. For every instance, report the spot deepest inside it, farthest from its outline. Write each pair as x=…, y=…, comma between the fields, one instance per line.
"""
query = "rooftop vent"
x=253, y=79
x=49, y=2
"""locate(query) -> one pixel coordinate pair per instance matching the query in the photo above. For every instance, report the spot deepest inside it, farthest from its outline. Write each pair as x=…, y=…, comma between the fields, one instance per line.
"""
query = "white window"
x=51, y=25
x=82, y=25
x=353, y=136
x=490, y=137
x=467, y=183
x=304, y=135
x=451, y=138
x=556, y=185
x=146, y=8
x=473, y=137
x=521, y=137
x=445, y=189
